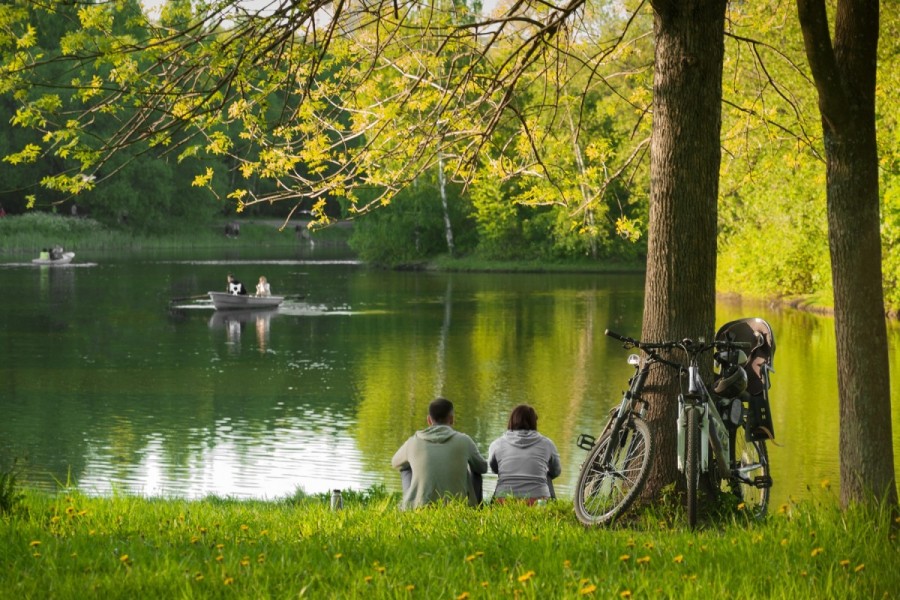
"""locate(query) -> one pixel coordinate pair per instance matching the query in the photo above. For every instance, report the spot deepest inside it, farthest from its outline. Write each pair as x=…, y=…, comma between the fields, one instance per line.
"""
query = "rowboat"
x=226, y=301
x=65, y=259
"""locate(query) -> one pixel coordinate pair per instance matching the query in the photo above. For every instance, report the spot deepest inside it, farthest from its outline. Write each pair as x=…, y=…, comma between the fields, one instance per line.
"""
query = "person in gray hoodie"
x=525, y=461
x=439, y=462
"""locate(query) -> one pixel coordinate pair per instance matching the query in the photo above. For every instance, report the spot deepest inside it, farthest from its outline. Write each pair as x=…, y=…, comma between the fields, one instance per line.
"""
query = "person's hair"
x=440, y=410
x=522, y=417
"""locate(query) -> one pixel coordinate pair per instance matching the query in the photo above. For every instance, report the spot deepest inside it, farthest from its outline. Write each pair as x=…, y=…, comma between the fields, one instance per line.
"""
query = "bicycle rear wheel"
x=750, y=480
x=605, y=491
x=692, y=463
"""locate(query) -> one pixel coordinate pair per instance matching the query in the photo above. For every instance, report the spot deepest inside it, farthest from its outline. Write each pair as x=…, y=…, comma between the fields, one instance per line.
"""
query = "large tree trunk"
x=845, y=79
x=684, y=185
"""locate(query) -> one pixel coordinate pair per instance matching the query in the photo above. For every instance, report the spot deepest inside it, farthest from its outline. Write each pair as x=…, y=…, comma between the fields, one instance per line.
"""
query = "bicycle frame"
x=625, y=408
x=710, y=421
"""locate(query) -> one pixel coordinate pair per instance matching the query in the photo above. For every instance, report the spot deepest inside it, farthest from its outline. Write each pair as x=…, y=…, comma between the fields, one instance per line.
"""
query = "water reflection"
x=234, y=321
x=122, y=394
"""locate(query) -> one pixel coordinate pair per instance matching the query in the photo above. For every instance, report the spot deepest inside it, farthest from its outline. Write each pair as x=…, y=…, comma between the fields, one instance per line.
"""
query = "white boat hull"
x=226, y=301
x=65, y=259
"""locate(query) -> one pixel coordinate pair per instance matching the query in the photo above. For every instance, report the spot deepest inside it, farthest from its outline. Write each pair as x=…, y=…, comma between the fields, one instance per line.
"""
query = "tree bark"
x=845, y=76
x=684, y=184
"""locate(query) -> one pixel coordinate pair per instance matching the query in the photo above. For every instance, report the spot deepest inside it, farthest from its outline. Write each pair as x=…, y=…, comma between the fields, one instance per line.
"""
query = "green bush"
x=10, y=492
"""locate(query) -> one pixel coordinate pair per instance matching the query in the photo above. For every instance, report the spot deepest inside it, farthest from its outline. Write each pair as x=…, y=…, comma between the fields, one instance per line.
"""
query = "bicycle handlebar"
x=686, y=344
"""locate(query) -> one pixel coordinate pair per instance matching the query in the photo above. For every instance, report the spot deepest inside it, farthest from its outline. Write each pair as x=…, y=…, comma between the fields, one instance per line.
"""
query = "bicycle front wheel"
x=692, y=463
x=606, y=489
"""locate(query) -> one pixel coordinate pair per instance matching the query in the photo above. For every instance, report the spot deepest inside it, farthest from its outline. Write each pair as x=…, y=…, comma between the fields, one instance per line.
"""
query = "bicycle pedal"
x=762, y=481
x=585, y=441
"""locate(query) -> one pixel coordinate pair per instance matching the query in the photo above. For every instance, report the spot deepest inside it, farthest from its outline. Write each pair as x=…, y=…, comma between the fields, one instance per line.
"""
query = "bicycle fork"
x=712, y=428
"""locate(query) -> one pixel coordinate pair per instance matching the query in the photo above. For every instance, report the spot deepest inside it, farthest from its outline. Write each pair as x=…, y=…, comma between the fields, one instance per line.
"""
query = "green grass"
x=474, y=263
x=73, y=546
x=27, y=234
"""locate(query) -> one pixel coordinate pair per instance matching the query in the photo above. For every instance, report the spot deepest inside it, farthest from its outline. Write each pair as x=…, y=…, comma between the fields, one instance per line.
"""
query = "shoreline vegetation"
x=70, y=545
x=26, y=235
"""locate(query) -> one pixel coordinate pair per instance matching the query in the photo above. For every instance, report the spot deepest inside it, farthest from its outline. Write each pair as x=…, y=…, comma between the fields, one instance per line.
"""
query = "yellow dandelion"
x=245, y=562
x=825, y=484
x=649, y=545
x=643, y=560
x=470, y=558
x=817, y=551
x=803, y=573
x=757, y=538
x=784, y=542
x=783, y=509
x=54, y=519
x=124, y=558
x=630, y=543
x=228, y=580
x=484, y=584
x=367, y=579
x=463, y=596
x=587, y=590
x=82, y=513
x=91, y=531
x=261, y=558
x=35, y=543
x=625, y=594
x=741, y=506
x=380, y=570
x=220, y=558
x=264, y=532
x=219, y=546
x=624, y=557
x=339, y=556
x=36, y=555
x=844, y=563
x=203, y=530
x=678, y=559
x=567, y=564
x=198, y=577
x=479, y=553
x=245, y=527
x=70, y=510
x=858, y=568
x=410, y=587
x=526, y=576
x=194, y=539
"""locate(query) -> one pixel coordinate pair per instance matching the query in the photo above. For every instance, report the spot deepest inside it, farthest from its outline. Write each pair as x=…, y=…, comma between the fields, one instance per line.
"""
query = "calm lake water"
x=105, y=386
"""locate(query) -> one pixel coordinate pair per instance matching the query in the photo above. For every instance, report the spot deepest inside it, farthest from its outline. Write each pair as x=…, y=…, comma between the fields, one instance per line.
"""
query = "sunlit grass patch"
x=70, y=545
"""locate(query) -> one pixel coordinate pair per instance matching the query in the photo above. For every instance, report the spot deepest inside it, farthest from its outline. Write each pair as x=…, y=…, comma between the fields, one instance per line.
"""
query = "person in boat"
x=438, y=462
x=56, y=252
x=262, y=288
x=525, y=461
x=235, y=287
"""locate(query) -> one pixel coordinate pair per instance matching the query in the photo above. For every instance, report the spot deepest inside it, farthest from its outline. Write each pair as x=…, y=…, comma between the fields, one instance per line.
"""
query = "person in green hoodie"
x=438, y=462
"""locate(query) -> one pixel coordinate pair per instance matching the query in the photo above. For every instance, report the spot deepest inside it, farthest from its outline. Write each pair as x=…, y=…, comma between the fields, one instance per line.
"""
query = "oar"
x=188, y=298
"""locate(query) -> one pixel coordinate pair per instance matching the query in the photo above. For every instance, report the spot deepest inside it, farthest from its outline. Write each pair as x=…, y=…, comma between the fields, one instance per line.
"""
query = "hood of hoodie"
x=436, y=434
x=522, y=438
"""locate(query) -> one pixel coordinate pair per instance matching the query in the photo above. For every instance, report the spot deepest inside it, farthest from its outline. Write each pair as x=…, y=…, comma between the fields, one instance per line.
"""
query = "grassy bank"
x=475, y=264
x=73, y=546
x=27, y=234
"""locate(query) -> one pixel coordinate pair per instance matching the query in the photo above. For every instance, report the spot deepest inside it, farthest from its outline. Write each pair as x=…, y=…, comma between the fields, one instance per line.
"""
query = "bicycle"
x=616, y=469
